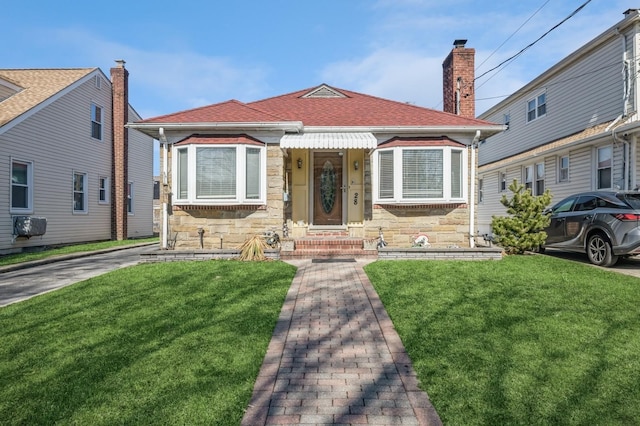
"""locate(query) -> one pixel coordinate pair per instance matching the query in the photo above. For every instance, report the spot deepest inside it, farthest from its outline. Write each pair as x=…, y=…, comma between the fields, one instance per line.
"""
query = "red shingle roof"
x=231, y=111
x=352, y=109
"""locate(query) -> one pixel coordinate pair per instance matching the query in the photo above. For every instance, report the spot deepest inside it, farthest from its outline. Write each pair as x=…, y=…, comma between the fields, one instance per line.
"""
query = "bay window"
x=410, y=174
x=219, y=174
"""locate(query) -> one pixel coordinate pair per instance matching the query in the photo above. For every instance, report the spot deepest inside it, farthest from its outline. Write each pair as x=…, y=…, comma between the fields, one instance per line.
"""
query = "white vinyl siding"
x=419, y=175
x=140, y=224
x=50, y=138
x=220, y=174
x=576, y=98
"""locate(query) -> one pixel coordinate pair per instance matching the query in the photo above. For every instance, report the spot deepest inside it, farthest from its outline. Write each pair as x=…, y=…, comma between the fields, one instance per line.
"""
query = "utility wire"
x=514, y=33
x=533, y=43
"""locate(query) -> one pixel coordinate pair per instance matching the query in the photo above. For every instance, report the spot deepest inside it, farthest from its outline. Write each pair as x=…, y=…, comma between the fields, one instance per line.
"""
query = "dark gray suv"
x=603, y=224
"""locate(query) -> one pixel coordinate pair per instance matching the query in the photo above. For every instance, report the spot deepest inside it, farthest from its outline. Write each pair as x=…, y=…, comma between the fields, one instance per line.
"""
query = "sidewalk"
x=335, y=357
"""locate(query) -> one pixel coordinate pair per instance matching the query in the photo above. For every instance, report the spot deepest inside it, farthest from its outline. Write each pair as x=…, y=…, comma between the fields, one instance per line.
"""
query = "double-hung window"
x=502, y=181
x=534, y=178
x=537, y=107
x=79, y=192
x=96, y=122
x=130, y=198
x=415, y=174
x=563, y=168
x=21, y=186
x=220, y=174
x=604, y=167
x=103, y=190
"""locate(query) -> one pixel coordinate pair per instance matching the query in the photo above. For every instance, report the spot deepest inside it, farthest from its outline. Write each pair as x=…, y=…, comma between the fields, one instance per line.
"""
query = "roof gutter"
x=152, y=129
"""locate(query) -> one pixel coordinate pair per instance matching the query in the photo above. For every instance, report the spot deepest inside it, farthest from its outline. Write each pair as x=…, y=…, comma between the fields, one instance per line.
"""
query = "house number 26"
x=355, y=199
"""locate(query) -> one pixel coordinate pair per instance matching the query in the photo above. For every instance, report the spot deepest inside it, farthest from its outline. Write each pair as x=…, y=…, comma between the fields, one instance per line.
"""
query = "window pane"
x=604, y=167
x=422, y=173
x=183, y=173
x=216, y=173
x=19, y=173
x=78, y=192
x=456, y=174
x=19, y=197
x=604, y=178
x=253, y=173
x=385, y=167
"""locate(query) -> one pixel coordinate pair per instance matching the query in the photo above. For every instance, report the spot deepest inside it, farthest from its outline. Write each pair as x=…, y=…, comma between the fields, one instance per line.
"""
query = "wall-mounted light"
x=356, y=165
x=299, y=163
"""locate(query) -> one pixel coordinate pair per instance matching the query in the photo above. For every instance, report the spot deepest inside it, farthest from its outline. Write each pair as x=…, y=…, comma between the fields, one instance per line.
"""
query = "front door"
x=327, y=188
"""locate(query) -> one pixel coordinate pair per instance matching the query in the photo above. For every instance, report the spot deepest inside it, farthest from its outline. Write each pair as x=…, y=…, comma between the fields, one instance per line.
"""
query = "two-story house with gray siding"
x=573, y=128
x=71, y=170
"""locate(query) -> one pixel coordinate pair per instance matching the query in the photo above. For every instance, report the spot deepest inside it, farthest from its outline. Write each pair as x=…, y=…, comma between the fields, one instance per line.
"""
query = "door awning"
x=361, y=140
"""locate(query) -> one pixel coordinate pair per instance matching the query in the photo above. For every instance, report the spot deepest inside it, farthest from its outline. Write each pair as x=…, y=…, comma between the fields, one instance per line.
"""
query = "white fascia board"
x=467, y=131
x=153, y=129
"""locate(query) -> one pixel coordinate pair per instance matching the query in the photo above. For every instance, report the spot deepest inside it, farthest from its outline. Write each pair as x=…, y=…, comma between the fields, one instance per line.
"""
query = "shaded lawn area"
x=527, y=340
x=172, y=343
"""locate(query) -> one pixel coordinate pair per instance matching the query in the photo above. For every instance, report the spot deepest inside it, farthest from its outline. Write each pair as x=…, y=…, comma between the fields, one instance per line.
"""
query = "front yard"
x=525, y=340
x=177, y=343
x=528, y=340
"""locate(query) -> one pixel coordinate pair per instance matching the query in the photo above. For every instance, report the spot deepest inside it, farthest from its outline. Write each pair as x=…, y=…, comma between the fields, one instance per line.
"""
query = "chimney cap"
x=459, y=42
x=120, y=63
x=630, y=11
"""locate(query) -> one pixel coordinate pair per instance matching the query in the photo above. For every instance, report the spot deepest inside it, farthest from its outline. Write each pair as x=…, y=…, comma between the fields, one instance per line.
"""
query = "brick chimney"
x=458, y=73
x=120, y=173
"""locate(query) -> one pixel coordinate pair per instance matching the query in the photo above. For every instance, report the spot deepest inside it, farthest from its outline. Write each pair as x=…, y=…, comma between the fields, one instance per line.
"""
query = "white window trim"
x=107, y=190
x=85, y=191
x=397, y=176
x=241, y=173
x=596, y=168
x=131, y=198
x=560, y=179
x=93, y=104
x=500, y=181
x=533, y=168
x=537, y=106
x=30, y=186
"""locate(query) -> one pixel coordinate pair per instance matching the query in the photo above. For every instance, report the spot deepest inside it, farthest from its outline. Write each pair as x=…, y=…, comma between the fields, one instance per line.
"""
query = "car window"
x=586, y=203
x=632, y=199
x=563, y=206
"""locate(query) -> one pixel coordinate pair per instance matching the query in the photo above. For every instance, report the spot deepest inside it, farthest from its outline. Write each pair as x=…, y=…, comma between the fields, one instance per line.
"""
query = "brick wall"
x=120, y=178
x=458, y=71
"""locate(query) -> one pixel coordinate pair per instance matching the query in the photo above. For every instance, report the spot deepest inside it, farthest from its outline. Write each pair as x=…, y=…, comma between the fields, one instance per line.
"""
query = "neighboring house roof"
x=322, y=106
x=35, y=87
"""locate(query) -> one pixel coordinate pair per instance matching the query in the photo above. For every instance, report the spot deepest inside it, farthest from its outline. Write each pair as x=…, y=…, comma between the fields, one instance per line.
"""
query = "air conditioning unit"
x=29, y=226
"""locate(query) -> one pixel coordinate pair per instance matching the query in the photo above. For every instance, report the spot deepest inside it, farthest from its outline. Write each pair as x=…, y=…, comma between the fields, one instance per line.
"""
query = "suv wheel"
x=599, y=251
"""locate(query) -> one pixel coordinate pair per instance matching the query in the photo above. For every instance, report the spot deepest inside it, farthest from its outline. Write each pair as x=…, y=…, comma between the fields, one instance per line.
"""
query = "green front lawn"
x=172, y=343
x=528, y=340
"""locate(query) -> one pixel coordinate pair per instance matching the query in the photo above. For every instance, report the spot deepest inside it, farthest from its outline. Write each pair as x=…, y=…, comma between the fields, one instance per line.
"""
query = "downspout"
x=165, y=180
x=472, y=195
x=626, y=76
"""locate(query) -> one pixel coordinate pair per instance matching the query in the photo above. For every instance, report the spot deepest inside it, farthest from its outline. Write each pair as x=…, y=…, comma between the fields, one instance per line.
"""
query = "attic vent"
x=324, y=91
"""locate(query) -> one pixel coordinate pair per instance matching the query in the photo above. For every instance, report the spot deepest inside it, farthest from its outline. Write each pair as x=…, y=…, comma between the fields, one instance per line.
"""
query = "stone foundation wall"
x=446, y=225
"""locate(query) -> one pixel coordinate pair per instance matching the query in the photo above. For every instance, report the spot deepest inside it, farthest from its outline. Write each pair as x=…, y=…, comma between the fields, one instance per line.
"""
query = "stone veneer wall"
x=228, y=227
x=446, y=225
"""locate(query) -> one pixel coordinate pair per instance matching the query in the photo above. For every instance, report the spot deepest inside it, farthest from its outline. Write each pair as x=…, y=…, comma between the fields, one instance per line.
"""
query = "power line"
x=514, y=33
x=533, y=43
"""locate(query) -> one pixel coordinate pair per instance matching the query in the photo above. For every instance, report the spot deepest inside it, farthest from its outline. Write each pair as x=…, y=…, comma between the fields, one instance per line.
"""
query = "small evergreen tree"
x=524, y=229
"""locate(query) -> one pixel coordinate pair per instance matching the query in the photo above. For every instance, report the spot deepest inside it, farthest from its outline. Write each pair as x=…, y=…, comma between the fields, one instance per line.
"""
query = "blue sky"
x=186, y=54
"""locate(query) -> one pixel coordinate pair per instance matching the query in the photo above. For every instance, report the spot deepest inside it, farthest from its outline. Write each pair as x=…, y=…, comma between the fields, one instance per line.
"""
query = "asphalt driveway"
x=18, y=282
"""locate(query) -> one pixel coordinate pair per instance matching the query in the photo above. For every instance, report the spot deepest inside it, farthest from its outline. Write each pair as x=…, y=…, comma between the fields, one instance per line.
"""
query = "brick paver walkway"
x=335, y=357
